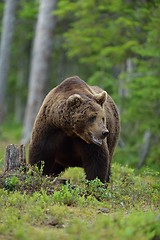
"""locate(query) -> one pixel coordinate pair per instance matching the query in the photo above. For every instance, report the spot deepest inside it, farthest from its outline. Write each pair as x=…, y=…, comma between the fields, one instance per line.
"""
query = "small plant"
x=11, y=183
x=96, y=188
x=67, y=195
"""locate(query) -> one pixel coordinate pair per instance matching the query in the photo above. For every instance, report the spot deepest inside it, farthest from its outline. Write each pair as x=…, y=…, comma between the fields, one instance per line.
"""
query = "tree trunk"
x=19, y=103
x=144, y=151
x=15, y=157
x=40, y=64
x=8, y=25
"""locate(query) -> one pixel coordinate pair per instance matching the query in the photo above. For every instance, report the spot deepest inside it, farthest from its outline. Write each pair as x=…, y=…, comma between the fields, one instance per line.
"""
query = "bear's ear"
x=74, y=100
x=100, y=97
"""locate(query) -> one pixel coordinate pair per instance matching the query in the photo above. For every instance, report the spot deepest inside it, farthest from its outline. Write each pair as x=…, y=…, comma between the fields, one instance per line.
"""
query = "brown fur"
x=77, y=125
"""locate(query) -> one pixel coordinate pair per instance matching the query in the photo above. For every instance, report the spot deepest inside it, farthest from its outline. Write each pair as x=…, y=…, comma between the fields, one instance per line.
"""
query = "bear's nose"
x=105, y=133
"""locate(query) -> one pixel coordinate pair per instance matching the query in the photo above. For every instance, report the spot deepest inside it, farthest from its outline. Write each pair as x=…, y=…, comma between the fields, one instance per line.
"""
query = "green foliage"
x=96, y=189
x=11, y=183
x=28, y=9
x=66, y=195
x=142, y=106
x=125, y=190
x=100, y=43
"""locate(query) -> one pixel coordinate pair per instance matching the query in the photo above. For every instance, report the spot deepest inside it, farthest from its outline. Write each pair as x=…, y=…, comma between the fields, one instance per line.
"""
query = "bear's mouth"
x=95, y=140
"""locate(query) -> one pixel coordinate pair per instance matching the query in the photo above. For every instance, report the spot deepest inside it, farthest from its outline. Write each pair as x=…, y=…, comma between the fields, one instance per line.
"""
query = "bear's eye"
x=92, y=119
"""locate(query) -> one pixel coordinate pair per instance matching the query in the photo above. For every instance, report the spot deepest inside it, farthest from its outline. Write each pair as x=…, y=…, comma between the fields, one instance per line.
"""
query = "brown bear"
x=77, y=126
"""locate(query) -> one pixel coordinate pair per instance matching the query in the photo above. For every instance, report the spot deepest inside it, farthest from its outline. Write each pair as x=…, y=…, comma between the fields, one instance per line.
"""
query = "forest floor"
x=36, y=207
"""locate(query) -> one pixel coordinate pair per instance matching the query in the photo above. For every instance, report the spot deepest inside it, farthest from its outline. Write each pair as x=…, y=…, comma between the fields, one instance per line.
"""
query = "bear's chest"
x=67, y=152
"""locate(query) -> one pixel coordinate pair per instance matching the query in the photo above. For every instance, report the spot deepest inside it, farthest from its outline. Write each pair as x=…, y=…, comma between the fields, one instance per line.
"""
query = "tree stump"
x=15, y=157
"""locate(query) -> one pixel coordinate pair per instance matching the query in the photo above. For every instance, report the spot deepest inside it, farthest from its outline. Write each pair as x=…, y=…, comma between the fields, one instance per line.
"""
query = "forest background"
x=112, y=44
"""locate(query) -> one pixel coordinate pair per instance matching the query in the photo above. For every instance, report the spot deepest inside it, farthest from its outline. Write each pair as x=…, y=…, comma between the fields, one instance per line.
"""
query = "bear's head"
x=87, y=117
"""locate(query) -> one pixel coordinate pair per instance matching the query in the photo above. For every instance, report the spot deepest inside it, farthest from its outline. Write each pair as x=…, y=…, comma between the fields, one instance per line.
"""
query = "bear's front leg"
x=96, y=162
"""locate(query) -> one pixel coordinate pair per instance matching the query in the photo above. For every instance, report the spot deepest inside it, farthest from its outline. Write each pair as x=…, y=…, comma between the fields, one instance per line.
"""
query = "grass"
x=36, y=207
